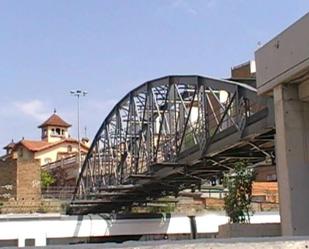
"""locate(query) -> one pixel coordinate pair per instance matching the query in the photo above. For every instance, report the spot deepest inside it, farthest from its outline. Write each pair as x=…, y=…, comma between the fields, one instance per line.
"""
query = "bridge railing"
x=58, y=192
x=235, y=117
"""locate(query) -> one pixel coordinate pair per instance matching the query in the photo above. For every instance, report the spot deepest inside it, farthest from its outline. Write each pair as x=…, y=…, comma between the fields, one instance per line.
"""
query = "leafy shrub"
x=237, y=201
x=47, y=179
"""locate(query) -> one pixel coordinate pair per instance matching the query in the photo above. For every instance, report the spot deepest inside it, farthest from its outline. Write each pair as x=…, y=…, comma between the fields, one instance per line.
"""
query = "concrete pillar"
x=40, y=240
x=21, y=242
x=292, y=153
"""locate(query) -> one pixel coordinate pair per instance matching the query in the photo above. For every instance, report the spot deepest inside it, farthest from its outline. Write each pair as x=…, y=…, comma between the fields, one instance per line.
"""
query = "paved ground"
x=245, y=243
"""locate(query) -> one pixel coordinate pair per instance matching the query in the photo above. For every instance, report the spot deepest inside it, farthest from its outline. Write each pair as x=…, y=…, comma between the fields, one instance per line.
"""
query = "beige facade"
x=53, y=134
x=57, y=152
x=50, y=153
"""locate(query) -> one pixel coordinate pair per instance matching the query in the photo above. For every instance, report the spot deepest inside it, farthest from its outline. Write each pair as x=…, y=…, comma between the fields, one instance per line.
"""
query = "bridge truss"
x=171, y=134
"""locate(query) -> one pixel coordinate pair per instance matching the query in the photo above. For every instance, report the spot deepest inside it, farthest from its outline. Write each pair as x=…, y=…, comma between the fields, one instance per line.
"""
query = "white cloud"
x=33, y=108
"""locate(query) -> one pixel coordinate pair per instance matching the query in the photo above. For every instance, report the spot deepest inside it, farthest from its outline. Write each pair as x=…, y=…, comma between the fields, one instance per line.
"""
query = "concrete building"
x=283, y=72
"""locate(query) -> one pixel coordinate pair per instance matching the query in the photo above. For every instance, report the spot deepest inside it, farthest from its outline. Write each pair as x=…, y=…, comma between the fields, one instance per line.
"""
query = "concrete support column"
x=292, y=153
x=21, y=242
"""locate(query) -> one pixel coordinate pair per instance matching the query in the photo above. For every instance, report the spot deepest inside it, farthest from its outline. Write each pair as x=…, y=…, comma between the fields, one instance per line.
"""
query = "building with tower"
x=56, y=152
x=55, y=143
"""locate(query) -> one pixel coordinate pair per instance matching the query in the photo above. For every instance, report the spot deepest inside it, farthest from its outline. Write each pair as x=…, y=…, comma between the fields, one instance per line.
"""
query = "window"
x=58, y=131
x=53, y=131
x=272, y=177
x=62, y=132
x=69, y=148
x=30, y=242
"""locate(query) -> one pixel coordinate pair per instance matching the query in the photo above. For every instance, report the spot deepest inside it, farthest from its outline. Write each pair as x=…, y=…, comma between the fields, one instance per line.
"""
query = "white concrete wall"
x=284, y=57
x=42, y=227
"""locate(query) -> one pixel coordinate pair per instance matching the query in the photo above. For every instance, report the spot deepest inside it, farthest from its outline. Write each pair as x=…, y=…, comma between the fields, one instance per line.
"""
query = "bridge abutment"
x=292, y=141
x=283, y=71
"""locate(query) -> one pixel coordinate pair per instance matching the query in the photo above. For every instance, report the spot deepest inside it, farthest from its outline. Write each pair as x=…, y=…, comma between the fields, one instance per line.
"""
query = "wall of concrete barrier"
x=41, y=230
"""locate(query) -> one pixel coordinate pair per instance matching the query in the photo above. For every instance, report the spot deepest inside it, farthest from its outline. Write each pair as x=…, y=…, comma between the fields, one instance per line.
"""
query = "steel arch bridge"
x=170, y=134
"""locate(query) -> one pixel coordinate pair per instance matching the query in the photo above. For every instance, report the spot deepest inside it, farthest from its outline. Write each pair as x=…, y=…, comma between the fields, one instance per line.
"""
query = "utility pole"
x=77, y=94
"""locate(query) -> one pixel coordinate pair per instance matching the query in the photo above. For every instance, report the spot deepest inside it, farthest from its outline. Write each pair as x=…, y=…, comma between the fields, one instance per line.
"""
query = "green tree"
x=237, y=201
x=47, y=179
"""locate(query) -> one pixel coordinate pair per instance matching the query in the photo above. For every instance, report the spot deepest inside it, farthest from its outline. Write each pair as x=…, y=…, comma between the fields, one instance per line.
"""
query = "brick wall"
x=8, y=179
x=214, y=203
x=266, y=173
x=20, y=180
x=242, y=71
x=28, y=182
x=267, y=189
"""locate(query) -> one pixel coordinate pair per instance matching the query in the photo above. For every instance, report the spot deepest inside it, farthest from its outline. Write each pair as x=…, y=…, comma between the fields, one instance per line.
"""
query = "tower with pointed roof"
x=54, y=129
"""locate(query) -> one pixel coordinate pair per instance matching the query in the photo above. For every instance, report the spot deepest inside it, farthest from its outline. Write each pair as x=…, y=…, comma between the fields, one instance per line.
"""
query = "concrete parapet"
x=249, y=230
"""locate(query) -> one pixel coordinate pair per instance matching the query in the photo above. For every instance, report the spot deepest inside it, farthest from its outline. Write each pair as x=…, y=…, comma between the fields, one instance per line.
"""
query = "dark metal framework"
x=172, y=133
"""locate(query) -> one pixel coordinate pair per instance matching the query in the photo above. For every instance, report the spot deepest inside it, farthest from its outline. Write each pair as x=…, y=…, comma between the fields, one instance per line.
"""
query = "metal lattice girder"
x=163, y=121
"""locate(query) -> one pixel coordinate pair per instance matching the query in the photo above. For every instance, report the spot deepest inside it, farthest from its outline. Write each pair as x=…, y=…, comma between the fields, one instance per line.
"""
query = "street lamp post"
x=77, y=94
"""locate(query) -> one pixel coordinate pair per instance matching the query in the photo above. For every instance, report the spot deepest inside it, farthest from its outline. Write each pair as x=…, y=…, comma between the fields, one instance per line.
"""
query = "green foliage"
x=237, y=201
x=167, y=208
x=47, y=179
x=188, y=141
x=64, y=207
x=164, y=208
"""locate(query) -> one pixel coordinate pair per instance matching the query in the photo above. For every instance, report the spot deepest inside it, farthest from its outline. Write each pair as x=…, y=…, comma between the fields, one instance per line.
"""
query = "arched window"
x=58, y=131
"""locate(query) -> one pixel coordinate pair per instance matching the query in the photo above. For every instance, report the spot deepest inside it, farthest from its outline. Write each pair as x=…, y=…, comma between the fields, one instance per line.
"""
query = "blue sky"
x=109, y=47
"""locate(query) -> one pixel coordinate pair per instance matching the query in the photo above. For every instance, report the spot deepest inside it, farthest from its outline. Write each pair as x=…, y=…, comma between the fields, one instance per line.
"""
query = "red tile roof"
x=35, y=145
x=55, y=120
